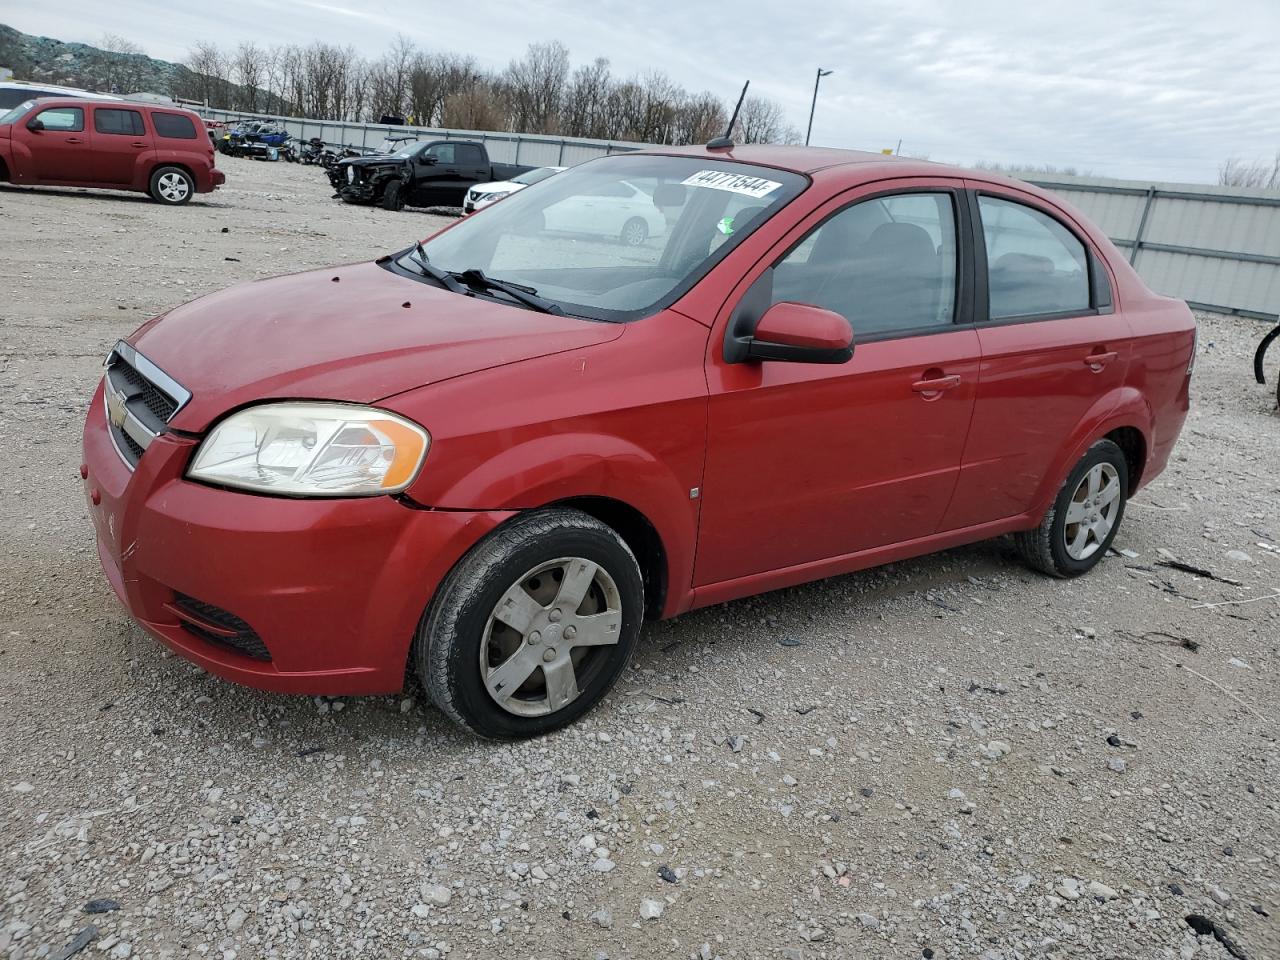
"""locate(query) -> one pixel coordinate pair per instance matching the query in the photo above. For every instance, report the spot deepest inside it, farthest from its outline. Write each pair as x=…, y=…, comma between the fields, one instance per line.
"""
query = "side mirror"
x=35, y=124
x=430, y=159
x=801, y=333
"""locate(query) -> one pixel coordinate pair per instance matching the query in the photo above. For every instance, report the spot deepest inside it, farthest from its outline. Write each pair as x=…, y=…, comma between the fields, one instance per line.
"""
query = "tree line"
x=541, y=92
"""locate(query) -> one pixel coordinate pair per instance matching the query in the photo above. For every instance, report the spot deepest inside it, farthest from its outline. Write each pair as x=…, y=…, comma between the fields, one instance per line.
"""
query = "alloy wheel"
x=550, y=633
x=173, y=187
x=1092, y=511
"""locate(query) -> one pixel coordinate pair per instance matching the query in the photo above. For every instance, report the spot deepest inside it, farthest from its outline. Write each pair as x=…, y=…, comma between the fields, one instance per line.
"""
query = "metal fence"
x=535, y=150
x=1218, y=248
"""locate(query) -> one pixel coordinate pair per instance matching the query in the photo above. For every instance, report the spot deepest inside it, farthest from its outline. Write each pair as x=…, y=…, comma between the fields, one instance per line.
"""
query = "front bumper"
x=359, y=192
x=334, y=589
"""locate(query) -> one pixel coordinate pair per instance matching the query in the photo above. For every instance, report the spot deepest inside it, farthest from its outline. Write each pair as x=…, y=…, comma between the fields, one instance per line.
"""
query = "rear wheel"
x=1085, y=517
x=172, y=186
x=533, y=627
x=635, y=232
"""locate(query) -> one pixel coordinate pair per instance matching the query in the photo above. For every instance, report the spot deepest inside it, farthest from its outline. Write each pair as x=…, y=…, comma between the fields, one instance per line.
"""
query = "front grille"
x=217, y=626
x=140, y=400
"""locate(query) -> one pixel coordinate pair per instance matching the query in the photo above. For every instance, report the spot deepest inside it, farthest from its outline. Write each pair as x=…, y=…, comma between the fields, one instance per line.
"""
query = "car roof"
x=112, y=104
x=859, y=165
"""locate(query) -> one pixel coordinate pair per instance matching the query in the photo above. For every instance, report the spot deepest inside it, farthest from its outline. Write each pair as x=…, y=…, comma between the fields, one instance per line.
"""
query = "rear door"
x=60, y=152
x=473, y=167
x=121, y=142
x=1053, y=346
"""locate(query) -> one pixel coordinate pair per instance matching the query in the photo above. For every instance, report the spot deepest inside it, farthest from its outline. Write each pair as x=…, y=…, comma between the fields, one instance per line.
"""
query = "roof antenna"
x=726, y=142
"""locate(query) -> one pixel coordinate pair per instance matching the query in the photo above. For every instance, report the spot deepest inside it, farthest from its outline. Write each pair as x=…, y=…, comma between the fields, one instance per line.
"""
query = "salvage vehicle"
x=422, y=174
x=256, y=140
x=65, y=142
x=481, y=196
x=486, y=459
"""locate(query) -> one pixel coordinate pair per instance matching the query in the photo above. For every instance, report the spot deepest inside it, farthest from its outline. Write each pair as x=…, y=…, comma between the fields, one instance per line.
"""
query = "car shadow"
x=121, y=196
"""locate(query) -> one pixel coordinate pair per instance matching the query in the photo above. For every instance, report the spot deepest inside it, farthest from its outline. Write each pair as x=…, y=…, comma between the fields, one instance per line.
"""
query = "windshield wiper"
x=476, y=279
x=442, y=277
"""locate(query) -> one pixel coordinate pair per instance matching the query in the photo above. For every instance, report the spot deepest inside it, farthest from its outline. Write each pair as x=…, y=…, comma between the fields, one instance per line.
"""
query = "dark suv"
x=120, y=145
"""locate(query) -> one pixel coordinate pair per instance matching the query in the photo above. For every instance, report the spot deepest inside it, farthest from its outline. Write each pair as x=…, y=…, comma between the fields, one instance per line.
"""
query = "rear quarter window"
x=174, y=126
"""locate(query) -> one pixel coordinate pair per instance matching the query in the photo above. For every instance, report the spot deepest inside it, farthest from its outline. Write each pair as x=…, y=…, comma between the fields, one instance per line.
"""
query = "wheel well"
x=1130, y=440
x=181, y=166
x=634, y=527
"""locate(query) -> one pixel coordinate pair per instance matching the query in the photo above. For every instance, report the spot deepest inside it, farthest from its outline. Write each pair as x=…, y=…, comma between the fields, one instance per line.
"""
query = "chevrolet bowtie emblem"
x=115, y=409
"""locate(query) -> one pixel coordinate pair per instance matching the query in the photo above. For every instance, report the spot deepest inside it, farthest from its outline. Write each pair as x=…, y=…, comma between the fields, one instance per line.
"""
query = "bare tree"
x=762, y=121
x=536, y=85
x=1262, y=174
x=479, y=108
x=120, y=64
x=209, y=82
x=583, y=110
x=249, y=69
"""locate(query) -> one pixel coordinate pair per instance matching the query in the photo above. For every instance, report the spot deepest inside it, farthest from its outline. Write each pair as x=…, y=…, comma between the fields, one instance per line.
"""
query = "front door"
x=60, y=151
x=810, y=462
x=435, y=175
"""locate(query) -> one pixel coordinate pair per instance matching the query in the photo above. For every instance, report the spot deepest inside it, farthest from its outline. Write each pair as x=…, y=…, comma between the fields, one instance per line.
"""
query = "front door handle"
x=934, y=387
x=1097, y=361
x=140, y=145
x=74, y=140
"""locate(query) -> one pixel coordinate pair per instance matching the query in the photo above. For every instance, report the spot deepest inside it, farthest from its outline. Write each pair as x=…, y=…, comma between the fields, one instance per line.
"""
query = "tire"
x=1064, y=546
x=634, y=232
x=393, y=196
x=463, y=650
x=171, y=186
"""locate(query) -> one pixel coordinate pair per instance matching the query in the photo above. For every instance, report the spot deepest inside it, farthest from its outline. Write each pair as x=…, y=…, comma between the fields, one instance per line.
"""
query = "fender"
x=566, y=466
x=1124, y=406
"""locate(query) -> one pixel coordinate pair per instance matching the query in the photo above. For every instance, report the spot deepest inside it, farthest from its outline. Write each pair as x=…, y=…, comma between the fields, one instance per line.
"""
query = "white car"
x=483, y=194
x=14, y=92
x=616, y=208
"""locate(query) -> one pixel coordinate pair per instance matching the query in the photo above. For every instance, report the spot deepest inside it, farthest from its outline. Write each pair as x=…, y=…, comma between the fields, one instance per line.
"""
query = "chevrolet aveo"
x=487, y=459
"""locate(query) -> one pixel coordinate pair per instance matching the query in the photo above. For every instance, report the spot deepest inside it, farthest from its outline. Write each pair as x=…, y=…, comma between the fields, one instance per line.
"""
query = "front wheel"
x=172, y=186
x=533, y=626
x=393, y=196
x=1085, y=517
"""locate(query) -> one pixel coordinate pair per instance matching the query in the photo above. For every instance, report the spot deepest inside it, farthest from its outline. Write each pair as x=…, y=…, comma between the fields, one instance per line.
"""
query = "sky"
x=1138, y=89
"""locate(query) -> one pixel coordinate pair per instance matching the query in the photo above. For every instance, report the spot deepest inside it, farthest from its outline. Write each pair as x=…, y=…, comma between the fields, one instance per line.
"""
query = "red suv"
x=120, y=145
x=489, y=457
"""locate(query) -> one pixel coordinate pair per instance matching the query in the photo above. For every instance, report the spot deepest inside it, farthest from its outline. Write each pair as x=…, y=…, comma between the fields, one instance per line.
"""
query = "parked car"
x=424, y=174
x=614, y=209
x=481, y=196
x=487, y=458
x=162, y=151
x=14, y=92
x=257, y=140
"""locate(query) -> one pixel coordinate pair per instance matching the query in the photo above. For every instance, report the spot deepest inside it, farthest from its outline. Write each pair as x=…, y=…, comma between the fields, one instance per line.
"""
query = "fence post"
x=560, y=159
x=1142, y=225
x=517, y=159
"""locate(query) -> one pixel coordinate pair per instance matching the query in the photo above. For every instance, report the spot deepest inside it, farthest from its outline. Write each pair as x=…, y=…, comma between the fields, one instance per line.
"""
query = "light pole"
x=816, y=80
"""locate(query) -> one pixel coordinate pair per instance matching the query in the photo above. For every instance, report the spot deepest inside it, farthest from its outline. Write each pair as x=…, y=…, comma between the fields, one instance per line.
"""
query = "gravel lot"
x=951, y=757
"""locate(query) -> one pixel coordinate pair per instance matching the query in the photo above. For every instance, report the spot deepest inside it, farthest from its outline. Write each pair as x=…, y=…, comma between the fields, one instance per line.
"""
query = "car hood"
x=374, y=161
x=357, y=334
x=496, y=186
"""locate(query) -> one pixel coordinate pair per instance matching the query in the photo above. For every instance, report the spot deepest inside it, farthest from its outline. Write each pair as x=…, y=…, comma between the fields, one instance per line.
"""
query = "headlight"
x=488, y=197
x=313, y=450
x=351, y=174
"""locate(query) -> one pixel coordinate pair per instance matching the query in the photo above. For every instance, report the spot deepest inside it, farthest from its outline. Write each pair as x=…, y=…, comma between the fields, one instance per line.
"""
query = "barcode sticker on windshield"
x=756, y=187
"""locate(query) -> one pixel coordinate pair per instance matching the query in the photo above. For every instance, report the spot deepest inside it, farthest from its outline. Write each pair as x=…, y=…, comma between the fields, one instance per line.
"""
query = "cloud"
x=1128, y=90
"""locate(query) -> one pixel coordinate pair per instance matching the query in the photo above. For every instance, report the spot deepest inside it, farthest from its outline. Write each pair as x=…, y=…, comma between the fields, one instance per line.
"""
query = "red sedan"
x=488, y=458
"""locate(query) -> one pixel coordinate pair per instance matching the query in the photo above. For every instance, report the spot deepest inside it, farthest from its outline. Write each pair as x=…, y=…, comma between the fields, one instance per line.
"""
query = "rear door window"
x=126, y=123
x=173, y=126
x=469, y=155
x=1035, y=265
x=62, y=119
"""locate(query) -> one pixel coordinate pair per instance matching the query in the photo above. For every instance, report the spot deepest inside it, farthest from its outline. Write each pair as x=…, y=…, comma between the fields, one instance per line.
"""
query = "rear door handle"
x=1097, y=361
x=141, y=145
x=936, y=385
x=74, y=140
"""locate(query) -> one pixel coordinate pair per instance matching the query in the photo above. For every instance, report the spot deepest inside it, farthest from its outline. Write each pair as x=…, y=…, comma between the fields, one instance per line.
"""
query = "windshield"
x=535, y=176
x=616, y=238
x=13, y=115
x=407, y=150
